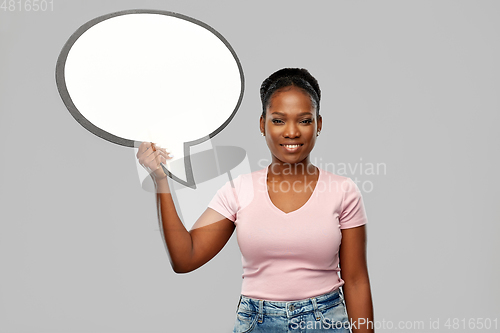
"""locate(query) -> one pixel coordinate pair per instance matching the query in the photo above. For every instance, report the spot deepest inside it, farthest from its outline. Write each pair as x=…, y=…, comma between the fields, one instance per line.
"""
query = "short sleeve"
x=353, y=210
x=225, y=202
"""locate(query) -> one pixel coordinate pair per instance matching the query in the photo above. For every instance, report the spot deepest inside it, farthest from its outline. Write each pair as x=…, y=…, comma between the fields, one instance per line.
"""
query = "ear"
x=320, y=122
x=262, y=124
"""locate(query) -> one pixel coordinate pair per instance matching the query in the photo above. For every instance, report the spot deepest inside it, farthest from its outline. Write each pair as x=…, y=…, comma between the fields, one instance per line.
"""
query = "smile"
x=292, y=148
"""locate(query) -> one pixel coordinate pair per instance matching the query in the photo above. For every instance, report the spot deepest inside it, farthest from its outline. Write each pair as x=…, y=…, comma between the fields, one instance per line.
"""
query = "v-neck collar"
x=273, y=206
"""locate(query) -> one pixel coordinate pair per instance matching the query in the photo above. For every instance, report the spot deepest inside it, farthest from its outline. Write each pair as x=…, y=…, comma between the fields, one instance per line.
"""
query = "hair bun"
x=285, y=77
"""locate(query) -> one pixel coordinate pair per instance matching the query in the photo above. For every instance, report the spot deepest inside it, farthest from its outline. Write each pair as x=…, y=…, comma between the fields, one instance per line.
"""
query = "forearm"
x=359, y=306
x=178, y=239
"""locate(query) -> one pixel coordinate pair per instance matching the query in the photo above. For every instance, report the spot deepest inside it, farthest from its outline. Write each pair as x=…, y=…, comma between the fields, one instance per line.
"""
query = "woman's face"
x=290, y=125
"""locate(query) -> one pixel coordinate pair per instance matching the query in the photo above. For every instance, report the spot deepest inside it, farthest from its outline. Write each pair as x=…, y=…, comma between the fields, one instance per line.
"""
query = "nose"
x=291, y=130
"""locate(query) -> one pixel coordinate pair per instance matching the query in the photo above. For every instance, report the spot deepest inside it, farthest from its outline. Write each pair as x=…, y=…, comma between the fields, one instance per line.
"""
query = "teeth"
x=291, y=146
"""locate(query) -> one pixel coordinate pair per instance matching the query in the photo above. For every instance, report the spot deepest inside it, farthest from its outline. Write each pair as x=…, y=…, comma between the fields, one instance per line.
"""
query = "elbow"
x=182, y=265
x=179, y=269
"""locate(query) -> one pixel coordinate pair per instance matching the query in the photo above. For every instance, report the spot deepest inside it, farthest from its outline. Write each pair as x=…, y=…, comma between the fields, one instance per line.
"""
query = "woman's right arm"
x=188, y=250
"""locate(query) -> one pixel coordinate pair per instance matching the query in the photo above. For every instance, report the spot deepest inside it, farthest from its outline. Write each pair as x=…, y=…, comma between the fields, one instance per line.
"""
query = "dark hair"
x=286, y=77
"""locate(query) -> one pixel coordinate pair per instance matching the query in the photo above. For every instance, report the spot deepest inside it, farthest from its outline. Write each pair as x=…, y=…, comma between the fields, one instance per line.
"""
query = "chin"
x=291, y=161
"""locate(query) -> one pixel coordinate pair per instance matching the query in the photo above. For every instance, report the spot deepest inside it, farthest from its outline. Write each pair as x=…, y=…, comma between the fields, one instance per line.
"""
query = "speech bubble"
x=150, y=75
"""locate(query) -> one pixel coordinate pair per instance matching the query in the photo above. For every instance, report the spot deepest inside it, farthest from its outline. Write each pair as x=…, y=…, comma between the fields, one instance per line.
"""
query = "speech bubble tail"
x=181, y=169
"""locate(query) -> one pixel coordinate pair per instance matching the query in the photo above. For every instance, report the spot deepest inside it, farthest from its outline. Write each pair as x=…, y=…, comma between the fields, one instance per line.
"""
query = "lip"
x=292, y=150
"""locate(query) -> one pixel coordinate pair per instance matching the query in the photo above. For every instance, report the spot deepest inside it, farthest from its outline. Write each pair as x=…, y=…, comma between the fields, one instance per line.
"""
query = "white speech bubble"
x=155, y=76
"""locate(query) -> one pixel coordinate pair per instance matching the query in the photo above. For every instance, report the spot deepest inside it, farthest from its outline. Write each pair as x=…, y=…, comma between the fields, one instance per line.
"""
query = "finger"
x=157, y=147
x=144, y=146
x=148, y=154
x=153, y=160
x=160, y=163
x=162, y=156
x=165, y=154
x=162, y=160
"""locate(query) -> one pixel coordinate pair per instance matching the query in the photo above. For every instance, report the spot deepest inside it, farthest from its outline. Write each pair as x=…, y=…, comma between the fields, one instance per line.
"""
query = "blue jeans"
x=324, y=313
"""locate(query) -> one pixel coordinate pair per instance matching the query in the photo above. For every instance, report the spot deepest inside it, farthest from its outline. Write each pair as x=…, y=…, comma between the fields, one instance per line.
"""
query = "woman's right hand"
x=150, y=156
x=188, y=250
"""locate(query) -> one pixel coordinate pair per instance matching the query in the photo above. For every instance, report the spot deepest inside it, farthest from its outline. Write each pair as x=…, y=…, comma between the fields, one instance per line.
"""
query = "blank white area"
x=412, y=84
x=153, y=77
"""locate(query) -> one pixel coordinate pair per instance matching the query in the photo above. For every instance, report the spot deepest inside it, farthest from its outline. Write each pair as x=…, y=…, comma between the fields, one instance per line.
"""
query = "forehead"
x=290, y=98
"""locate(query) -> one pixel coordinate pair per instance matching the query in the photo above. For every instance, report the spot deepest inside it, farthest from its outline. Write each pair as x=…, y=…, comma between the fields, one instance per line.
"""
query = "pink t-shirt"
x=290, y=256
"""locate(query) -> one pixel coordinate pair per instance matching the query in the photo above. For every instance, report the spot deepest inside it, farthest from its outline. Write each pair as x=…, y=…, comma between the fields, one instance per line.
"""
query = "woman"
x=290, y=218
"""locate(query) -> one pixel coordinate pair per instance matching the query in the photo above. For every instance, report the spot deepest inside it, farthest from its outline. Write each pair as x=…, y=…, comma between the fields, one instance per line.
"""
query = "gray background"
x=411, y=84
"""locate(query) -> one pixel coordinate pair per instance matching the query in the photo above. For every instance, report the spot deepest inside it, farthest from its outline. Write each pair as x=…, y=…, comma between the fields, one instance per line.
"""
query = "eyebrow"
x=300, y=114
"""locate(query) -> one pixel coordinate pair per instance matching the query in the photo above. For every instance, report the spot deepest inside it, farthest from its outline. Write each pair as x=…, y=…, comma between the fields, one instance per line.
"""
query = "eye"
x=307, y=121
x=277, y=121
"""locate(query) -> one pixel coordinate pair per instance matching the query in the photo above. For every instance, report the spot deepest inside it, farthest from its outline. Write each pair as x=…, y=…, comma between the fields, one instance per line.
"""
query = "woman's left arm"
x=354, y=272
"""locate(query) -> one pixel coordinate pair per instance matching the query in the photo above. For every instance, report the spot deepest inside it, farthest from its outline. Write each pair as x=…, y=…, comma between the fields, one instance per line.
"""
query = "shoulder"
x=335, y=181
x=239, y=192
x=247, y=181
x=331, y=176
x=243, y=182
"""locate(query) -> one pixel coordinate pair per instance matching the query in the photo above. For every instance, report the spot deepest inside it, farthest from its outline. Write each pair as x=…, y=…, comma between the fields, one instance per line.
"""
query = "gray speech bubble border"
x=63, y=91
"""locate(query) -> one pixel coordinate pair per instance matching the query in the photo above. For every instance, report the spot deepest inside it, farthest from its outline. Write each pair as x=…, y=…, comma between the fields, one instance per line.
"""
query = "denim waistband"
x=290, y=308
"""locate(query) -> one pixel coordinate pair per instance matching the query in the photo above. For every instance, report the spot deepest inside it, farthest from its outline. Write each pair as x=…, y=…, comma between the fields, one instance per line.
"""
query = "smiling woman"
x=292, y=125
x=296, y=224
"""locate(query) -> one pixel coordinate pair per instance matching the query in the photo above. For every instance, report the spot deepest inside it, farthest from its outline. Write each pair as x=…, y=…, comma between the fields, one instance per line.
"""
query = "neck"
x=282, y=169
